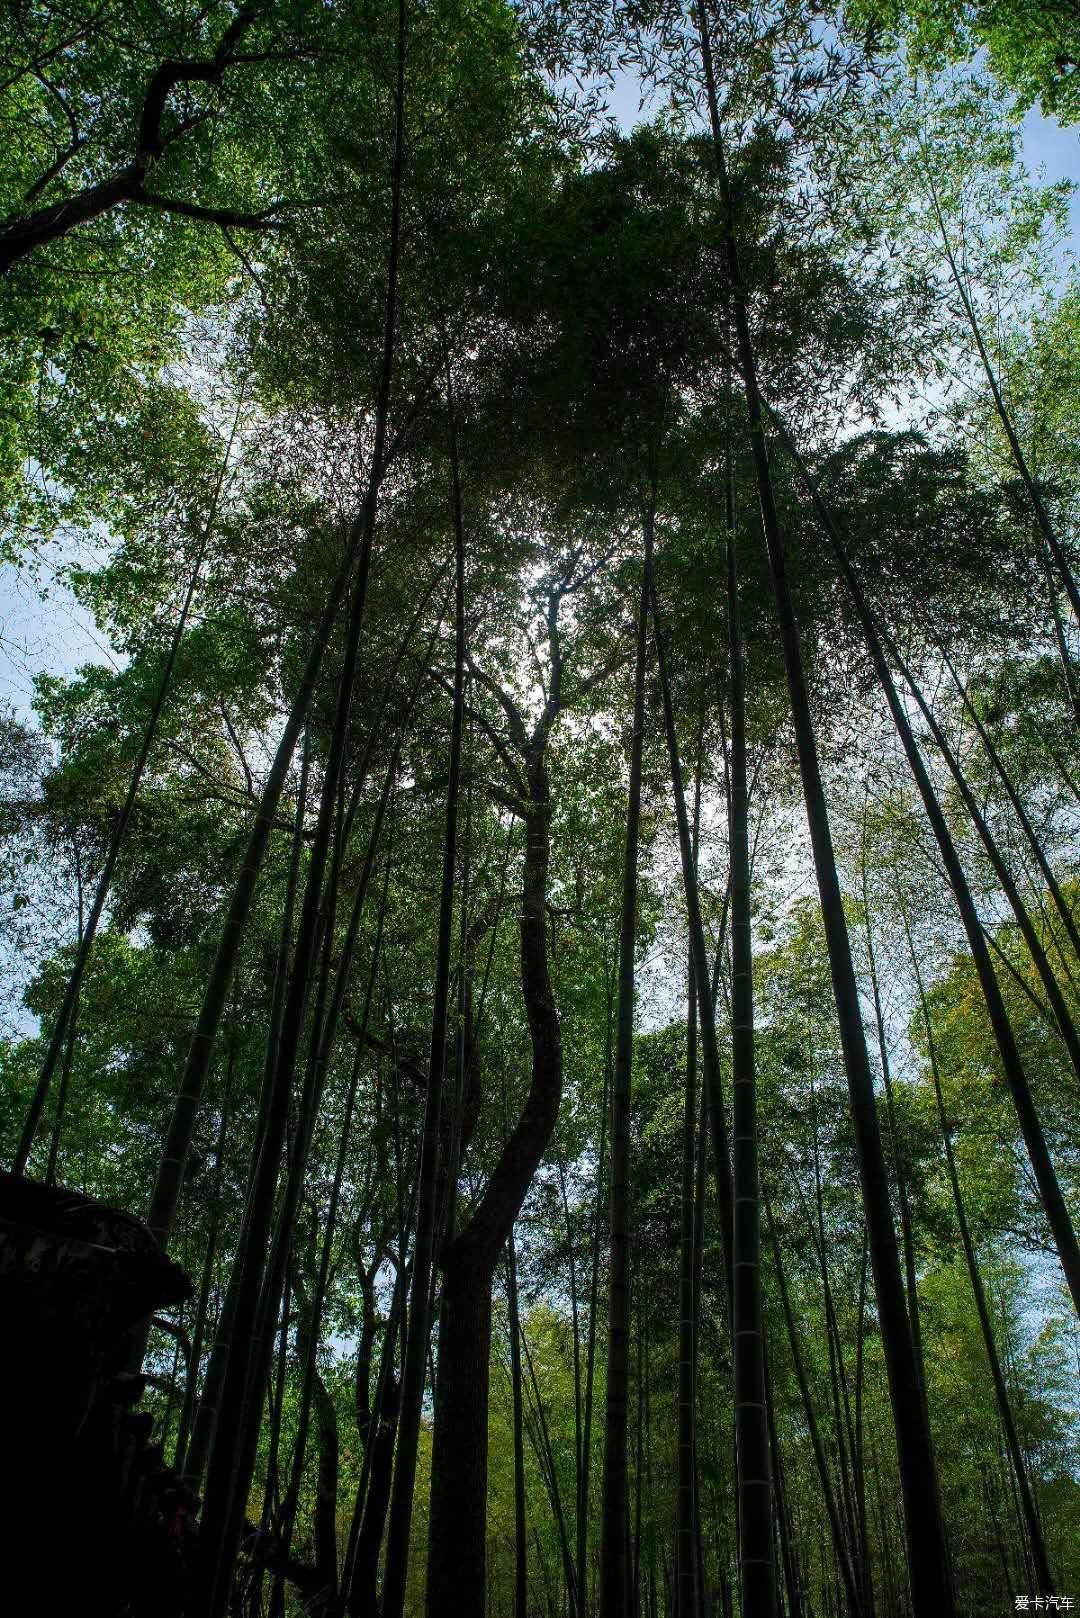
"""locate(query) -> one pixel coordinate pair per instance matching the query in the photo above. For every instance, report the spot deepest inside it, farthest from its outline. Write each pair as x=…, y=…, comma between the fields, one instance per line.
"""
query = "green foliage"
x=181, y=394
x=1033, y=48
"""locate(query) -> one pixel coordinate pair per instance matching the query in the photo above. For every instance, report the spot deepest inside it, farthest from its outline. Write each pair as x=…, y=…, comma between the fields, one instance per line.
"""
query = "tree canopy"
x=560, y=909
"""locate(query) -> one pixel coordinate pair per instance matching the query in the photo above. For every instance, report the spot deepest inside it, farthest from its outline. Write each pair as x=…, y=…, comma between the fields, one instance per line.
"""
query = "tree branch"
x=54, y=170
x=228, y=217
x=518, y=734
x=151, y=142
x=497, y=741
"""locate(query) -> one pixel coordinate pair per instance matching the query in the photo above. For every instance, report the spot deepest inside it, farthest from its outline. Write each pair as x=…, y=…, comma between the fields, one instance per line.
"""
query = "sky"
x=1056, y=152
x=50, y=634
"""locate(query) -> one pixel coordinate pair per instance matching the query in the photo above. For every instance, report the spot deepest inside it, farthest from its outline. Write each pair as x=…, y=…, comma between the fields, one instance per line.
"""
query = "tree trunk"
x=706, y=1017
x=575, y=1324
x=1029, y=1513
x=1068, y=670
x=456, y=1541
x=1053, y=887
x=456, y=1555
x=198, y=1334
x=906, y=1232
x=232, y=1454
x=414, y=1369
x=1054, y=994
x=1053, y=1202
x=363, y=1599
x=931, y=1596
x=832, y=1511
x=309, y=1359
x=541, y=1438
x=594, y=1300
x=357, y=1587
x=521, y=1571
x=686, y=1525
x=788, y=1555
x=615, y=1488
x=757, y=1582
x=357, y=555
x=173, y=1162
x=205, y=1423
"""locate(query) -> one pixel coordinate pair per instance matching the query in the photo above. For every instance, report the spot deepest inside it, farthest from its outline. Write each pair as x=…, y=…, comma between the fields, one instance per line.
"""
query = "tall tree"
x=757, y=1584
x=414, y=1367
x=615, y=1500
x=925, y=1534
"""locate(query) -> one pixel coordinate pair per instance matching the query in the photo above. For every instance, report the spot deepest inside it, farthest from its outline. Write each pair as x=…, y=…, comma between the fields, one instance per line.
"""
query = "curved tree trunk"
x=458, y=1524
x=457, y=1545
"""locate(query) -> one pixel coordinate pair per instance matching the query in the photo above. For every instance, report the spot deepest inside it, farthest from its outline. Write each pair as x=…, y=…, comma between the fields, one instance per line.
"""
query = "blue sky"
x=53, y=635
x=1057, y=152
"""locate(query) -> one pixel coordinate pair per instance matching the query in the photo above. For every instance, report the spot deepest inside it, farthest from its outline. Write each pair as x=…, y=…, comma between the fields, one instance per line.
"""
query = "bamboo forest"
x=540, y=808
